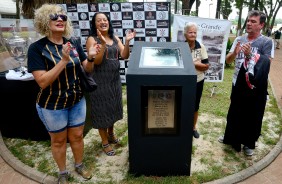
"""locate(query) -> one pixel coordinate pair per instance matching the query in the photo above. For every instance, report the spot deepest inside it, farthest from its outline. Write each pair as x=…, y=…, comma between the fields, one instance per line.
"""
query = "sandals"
x=109, y=153
x=112, y=139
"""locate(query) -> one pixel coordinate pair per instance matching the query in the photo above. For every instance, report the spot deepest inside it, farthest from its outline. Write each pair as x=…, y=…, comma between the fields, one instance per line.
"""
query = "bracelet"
x=91, y=60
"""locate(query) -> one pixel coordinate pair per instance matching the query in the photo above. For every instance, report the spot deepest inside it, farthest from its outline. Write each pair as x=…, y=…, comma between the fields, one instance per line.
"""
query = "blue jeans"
x=59, y=120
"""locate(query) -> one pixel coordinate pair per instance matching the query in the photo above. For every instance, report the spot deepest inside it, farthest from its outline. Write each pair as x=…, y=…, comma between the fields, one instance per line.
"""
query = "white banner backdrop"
x=213, y=33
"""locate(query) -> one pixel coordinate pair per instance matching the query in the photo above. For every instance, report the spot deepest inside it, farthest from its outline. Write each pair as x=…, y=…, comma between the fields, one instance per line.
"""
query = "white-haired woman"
x=200, y=59
x=54, y=61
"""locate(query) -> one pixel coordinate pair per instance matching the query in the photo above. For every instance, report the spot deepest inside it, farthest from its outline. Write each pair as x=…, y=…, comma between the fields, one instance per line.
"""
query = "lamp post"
x=210, y=9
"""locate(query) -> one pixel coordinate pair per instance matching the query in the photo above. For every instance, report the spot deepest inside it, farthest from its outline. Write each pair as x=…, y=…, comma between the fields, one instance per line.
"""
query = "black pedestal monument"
x=161, y=91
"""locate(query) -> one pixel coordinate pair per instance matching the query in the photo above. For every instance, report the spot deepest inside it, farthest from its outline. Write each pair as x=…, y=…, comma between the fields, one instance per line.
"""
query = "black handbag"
x=88, y=84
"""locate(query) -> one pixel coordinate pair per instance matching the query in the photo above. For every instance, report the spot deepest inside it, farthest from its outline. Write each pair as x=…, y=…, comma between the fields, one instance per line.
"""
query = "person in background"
x=277, y=36
x=200, y=59
x=251, y=52
x=268, y=31
x=106, y=101
x=54, y=61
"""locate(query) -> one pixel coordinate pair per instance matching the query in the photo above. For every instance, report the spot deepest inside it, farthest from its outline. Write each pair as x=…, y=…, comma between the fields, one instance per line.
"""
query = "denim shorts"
x=59, y=120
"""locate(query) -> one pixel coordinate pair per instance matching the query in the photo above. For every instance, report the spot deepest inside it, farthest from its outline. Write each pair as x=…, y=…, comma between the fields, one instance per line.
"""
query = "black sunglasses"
x=56, y=17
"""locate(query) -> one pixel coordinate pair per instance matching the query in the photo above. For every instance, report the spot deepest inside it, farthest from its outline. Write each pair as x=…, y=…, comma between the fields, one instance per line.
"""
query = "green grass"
x=217, y=103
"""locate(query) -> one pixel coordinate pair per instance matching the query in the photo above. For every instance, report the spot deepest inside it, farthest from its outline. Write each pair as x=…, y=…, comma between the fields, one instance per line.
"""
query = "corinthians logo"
x=115, y=16
x=139, y=23
x=93, y=7
x=162, y=32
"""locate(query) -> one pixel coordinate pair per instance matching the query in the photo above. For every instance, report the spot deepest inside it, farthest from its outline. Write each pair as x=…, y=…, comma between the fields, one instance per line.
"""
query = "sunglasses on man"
x=56, y=17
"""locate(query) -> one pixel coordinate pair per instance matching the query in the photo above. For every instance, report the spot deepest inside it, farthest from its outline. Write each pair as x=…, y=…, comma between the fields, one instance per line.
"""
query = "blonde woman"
x=54, y=62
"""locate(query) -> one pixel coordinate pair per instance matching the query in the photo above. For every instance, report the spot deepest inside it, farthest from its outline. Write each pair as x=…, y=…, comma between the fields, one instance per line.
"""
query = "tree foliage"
x=269, y=7
x=226, y=8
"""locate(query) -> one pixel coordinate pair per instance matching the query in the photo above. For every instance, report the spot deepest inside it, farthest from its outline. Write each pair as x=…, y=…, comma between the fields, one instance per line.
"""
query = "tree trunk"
x=217, y=13
x=239, y=31
x=185, y=7
x=256, y=4
x=18, y=13
x=197, y=7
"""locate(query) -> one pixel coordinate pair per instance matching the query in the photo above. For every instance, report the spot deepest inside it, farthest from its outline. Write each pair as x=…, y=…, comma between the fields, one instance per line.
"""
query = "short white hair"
x=189, y=25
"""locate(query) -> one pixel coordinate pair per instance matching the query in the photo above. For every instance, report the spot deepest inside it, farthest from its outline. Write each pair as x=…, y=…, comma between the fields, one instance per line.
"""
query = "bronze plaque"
x=161, y=107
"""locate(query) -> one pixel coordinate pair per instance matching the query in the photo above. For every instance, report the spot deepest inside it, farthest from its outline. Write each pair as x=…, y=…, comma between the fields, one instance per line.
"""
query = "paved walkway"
x=266, y=171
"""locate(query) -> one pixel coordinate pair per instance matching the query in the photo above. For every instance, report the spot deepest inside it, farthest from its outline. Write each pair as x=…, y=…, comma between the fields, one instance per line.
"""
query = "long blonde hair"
x=42, y=19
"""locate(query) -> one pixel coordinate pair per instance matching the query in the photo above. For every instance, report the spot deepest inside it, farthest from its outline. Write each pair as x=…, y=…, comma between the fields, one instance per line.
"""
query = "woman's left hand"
x=130, y=34
x=101, y=37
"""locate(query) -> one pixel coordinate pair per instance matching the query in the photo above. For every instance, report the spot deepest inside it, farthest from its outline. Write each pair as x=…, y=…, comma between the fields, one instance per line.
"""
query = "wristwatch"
x=91, y=60
x=249, y=56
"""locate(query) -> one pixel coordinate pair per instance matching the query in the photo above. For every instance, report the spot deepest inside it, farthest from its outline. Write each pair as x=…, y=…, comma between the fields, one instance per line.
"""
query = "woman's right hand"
x=66, y=52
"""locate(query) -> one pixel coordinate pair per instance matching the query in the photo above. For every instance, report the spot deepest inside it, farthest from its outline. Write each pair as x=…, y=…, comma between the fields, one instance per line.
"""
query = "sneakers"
x=63, y=178
x=248, y=151
x=196, y=134
x=220, y=139
x=84, y=172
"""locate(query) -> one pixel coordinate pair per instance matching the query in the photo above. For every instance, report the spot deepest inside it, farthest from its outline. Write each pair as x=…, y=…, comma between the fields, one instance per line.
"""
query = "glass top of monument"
x=159, y=57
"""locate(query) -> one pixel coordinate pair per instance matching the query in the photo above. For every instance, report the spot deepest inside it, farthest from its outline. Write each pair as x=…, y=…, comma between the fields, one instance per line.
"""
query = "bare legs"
x=59, y=145
x=104, y=134
x=75, y=136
